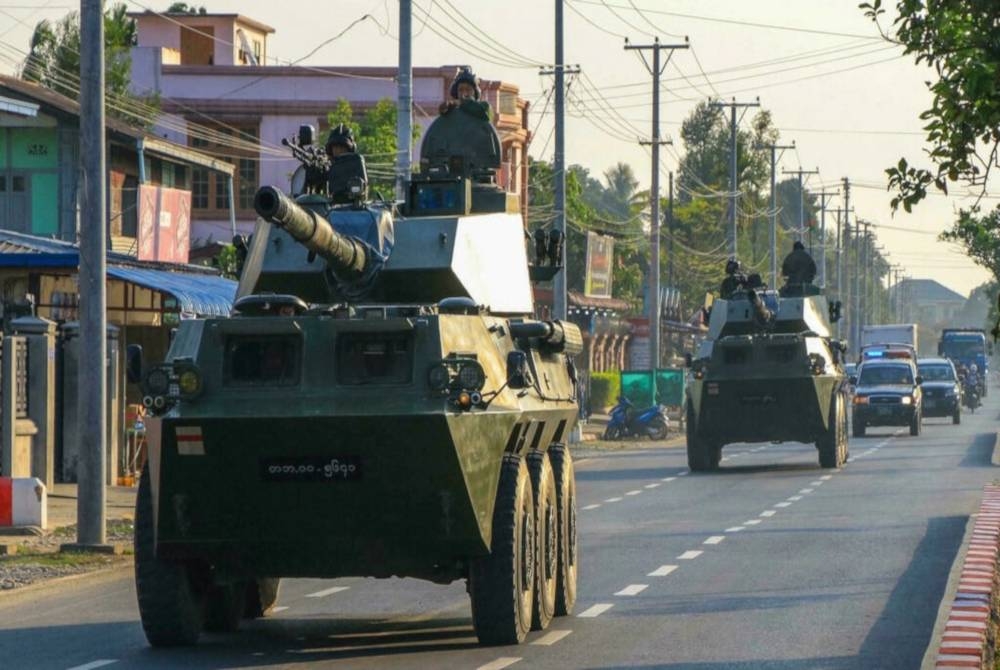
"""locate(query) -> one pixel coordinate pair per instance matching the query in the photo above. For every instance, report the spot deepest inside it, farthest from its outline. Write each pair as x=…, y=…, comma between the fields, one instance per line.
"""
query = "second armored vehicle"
x=768, y=371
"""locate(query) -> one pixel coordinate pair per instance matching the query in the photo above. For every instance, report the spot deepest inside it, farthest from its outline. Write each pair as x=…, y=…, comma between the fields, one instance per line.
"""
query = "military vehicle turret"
x=380, y=403
x=769, y=370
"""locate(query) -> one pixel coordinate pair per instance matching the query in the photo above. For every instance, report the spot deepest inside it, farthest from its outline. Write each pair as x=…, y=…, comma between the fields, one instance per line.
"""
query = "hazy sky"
x=848, y=100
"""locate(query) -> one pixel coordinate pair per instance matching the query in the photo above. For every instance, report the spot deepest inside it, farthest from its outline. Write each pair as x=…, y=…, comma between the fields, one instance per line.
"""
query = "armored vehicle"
x=380, y=403
x=769, y=370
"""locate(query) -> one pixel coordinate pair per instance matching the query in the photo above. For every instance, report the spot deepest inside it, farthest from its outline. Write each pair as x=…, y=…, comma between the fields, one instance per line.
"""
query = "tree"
x=960, y=41
x=184, y=8
x=54, y=61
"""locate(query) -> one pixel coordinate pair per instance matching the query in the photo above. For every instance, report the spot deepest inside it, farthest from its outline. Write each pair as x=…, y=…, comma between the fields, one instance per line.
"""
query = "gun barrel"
x=345, y=254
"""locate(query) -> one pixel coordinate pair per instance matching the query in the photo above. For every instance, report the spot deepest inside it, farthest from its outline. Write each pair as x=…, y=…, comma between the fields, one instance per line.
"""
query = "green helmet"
x=342, y=135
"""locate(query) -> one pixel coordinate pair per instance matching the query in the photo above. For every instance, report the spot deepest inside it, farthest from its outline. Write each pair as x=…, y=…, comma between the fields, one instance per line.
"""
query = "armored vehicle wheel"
x=501, y=585
x=562, y=469
x=224, y=607
x=543, y=484
x=832, y=450
x=915, y=422
x=169, y=605
x=702, y=456
x=261, y=596
x=956, y=418
x=716, y=458
x=858, y=427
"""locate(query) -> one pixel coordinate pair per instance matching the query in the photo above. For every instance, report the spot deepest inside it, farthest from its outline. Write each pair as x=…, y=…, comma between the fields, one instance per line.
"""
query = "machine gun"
x=311, y=176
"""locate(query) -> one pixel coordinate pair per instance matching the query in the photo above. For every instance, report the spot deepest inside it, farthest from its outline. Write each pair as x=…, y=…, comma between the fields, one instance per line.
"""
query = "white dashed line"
x=662, y=571
x=327, y=592
x=502, y=662
x=652, y=486
x=668, y=479
x=594, y=506
x=826, y=478
x=689, y=555
x=851, y=459
x=806, y=491
x=595, y=611
x=782, y=504
x=550, y=639
x=715, y=539
x=632, y=590
x=735, y=529
x=816, y=483
x=724, y=458
x=94, y=664
x=681, y=474
x=769, y=512
x=280, y=608
x=614, y=500
x=633, y=493
x=795, y=499
x=751, y=522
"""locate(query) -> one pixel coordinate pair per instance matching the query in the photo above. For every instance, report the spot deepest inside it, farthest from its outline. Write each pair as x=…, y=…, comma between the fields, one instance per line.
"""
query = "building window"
x=236, y=144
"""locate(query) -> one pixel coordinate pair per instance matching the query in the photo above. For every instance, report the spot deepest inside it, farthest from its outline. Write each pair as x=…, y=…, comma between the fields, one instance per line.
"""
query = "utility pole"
x=846, y=241
x=670, y=230
x=404, y=99
x=862, y=279
x=774, y=207
x=656, y=70
x=92, y=387
x=802, y=200
x=733, y=186
x=823, y=195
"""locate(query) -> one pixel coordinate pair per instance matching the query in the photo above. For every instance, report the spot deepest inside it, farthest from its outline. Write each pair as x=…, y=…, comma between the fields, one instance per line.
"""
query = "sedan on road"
x=887, y=393
x=942, y=394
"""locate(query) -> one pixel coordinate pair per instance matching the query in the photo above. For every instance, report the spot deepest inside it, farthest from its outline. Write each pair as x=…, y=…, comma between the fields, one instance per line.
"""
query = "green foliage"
x=960, y=41
x=184, y=8
x=605, y=387
x=54, y=61
x=225, y=260
x=375, y=135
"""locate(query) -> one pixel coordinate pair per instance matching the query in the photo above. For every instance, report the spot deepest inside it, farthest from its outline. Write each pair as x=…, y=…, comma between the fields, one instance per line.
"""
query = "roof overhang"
x=18, y=107
x=178, y=152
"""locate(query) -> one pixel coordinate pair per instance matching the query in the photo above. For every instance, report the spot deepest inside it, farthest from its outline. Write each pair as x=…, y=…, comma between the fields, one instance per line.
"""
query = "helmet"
x=798, y=245
x=342, y=135
x=466, y=75
x=973, y=368
x=732, y=265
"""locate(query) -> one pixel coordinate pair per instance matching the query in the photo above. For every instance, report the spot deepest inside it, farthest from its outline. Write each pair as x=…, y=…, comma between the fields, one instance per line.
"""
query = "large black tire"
x=543, y=484
x=224, y=607
x=501, y=584
x=170, y=607
x=956, y=417
x=858, y=427
x=562, y=470
x=658, y=430
x=915, y=422
x=701, y=456
x=831, y=445
x=261, y=596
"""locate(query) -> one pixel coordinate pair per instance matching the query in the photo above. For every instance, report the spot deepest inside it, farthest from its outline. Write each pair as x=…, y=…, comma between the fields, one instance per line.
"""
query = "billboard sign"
x=600, y=254
x=164, y=232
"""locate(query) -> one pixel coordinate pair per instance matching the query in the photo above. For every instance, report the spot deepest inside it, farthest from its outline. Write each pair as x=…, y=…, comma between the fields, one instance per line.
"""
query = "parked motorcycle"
x=626, y=422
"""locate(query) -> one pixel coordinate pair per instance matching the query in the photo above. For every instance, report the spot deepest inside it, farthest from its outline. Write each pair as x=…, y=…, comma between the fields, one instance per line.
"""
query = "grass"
x=29, y=556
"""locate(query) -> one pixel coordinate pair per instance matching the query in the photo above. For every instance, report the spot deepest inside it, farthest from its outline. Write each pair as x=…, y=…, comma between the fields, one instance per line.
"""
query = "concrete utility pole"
x=733, y=180
x=670, y=229
x=92, y=389
x=656, y=70
x=802, y=200
x=823, y=195
x=846, y=241
x=404, y=100
x=774, y=207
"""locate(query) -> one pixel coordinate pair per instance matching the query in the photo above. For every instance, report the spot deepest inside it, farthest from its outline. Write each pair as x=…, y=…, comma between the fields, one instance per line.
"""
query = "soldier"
x=798, y=267
x=346, y=165
x=340, y=141
x=733, y=278
x=465, y=93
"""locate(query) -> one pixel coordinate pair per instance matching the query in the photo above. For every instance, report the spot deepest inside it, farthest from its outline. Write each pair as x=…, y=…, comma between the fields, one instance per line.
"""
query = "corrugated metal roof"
x=201, y=295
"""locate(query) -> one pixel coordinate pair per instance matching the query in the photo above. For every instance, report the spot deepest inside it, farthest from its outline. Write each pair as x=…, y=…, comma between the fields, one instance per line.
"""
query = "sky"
x=849, y=101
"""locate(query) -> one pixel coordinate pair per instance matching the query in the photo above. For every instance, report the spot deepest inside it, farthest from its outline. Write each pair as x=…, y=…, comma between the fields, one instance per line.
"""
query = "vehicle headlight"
x=906, y=400
x=471, y=376
x=439, y=377
x=157, y=382
x=189, y=381
x=860, y=400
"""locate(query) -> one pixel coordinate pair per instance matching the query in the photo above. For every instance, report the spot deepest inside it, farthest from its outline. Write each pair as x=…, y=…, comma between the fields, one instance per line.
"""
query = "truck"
x=967, y=346
x=890, y=333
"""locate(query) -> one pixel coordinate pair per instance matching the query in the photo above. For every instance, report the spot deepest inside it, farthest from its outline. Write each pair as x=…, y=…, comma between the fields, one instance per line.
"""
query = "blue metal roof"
x=196, y=294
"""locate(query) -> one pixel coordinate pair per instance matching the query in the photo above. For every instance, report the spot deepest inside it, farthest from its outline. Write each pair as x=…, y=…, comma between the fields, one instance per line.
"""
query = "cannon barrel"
x=346, y=255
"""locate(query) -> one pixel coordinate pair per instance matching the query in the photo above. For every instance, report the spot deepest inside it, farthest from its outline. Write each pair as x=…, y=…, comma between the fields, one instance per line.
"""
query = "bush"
x=605, y=387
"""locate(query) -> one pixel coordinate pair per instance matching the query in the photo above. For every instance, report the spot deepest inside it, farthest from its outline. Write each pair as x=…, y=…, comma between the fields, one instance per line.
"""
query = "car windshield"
x=885, y=374
x=937, y=373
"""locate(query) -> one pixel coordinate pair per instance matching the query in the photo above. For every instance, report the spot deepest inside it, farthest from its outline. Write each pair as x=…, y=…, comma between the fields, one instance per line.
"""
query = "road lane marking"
x=751, y=522
x=93, y=664
x=816, y=483
x=652, y=486
x=681, y=474
x=689, y=555
x=715, y=539
x=327, y=592
x=735, y=529
x=632, y=590
x=782, y=504
x=851, y=459
x=280, y=608
x=805, y=490
x=724, y=458
x=594, y=506
x=595, y=611
x=668, y=479
x=795, y=499
x=633, y=493
x=769, y=512
x=826, y=478
x=609, y=500
x=550, y=639
x=662, y=571
x=502, y=662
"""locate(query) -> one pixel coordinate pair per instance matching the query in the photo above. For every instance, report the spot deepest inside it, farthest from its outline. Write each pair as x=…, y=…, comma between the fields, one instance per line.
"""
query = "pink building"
x=218, y=95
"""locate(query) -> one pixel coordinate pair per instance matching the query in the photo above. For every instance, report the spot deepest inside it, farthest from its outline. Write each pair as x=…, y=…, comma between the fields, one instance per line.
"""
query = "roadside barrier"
x=23, y=502
x=970, y=630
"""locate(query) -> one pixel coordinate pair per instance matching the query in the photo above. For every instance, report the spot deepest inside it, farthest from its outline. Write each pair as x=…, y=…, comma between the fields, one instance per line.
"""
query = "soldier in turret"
x=345, y=163
x=734, y=278
x=465, y=93
x=798, y=269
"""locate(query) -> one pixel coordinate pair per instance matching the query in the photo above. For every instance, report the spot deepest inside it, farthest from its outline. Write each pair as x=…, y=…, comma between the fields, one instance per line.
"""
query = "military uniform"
x=798, y=267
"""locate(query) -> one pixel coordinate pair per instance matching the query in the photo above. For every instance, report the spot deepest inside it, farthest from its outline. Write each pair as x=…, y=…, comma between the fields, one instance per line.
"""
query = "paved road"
x=770, y=563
